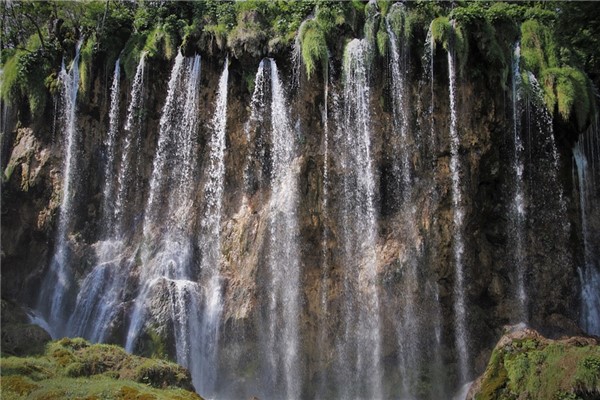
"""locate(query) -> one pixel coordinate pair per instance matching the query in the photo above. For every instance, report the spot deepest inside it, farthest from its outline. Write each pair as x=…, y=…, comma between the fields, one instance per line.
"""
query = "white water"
x=589, y=273
x=518, y=205
x=399, y=70
x=108, y=199
x=99, y=299
x=58, y=281
x=170, y=121
x=255, y=145
x=323, y=334
x=100, y=293
x=283, y=257
x=166, y=253
x=544, y=124
x=131, y=143
x=408, y=326
x=358, y=349
x=205, y=372
x=460, y=322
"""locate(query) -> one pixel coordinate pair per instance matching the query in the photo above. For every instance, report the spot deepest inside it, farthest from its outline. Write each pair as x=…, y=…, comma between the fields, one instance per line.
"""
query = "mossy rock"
x=76, y=369
x=525, y=365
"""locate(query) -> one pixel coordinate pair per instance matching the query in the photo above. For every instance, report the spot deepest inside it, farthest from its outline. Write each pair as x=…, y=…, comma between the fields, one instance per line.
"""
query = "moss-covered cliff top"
x=76, y=369
x=559, y=40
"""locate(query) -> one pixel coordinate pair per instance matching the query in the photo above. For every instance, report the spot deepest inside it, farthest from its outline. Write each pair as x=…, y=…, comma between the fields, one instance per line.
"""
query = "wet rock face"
x=19, y=337
x=31, y=195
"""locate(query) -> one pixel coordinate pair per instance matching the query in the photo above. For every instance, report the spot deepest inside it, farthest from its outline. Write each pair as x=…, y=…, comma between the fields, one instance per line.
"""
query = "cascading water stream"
x=543, y=123
x=358, y=359
x=169, y=124
x=518, y=205
x=589, y=273
x=102, y=289
x=428, y=59
x=325, y=234
x=59, y=280
x=399, y=67
x=460, y=312
x=131, y=142
x=167, y=251
x=408, y=325
x=210, y=244
x=283, y=256
x=108, y=200
x=256, y=145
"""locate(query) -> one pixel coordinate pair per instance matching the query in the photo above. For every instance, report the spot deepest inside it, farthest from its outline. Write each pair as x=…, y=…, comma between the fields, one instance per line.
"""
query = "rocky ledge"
x=526, y=365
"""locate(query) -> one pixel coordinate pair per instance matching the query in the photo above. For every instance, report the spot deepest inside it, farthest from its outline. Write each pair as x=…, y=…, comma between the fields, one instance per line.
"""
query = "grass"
x=76, y=369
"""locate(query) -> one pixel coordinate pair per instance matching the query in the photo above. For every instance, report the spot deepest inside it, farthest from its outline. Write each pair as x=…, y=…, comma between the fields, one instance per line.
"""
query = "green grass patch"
x=76, y=369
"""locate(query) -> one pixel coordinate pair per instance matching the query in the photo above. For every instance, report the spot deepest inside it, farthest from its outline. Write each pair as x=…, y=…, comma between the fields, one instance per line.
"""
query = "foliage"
x=565, y=88
x=73, y=368
x=541, y=369
x=318, y=33
x=313, y=45
x=85, y=66
x=578, y=31
x=37, y=35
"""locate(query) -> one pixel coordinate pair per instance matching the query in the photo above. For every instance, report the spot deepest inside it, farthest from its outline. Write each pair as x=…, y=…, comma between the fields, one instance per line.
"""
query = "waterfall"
x=167, y=271
x=210, y=245
x=460, y=312
x=58, y=282
x=399, y=70
x=589, y=273
x=99, y=297
x=324, y=329
x=428, y=60
x=518, y=204
x=169, y=124
x=283, y=257
x=408, y=326
x=256, y=148
x=108, y=199
x=358, y=348
x=131, y=142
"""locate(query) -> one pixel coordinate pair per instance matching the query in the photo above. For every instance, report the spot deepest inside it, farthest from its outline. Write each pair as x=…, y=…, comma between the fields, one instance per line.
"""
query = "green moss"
x=158, y=344
x=85, y=66
x=23, y=77
x=401, y=22
x=160, y=43
x=494, y=378
x=538, y=48
x=587, y=374
x=382, y=42
x=384, y=6
x=132, y=53
x=441, y=31
x=16, y=386
x=35, y=368
x=541, y=370
x=75, y=369
x=313, y=46
x=565, y=89
x=568, y=90
x=10, y=86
